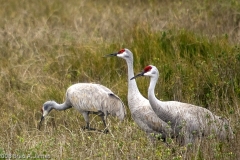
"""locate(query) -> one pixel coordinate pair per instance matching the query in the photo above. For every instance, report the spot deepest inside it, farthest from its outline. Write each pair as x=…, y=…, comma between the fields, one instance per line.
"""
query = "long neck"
x=158, y=106
x=151, y=88
x=62, y=106
x=132, y=85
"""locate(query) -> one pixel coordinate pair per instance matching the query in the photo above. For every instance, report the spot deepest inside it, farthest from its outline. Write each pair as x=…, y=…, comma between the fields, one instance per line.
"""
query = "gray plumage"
x=140, y=108
x=187, y=121
x=89, y=98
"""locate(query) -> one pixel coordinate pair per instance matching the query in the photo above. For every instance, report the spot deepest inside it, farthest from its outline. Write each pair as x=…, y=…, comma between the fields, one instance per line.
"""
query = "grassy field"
x=45, y=46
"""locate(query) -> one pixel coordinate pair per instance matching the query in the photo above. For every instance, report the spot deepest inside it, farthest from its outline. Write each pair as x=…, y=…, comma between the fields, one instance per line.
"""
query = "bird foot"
x=88, y=128
x=94, y=129
x=106, y=131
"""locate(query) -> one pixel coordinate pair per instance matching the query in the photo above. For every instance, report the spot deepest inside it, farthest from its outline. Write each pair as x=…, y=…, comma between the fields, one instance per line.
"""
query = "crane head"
x=149, y=70
x=47, y=107
x=123, y=53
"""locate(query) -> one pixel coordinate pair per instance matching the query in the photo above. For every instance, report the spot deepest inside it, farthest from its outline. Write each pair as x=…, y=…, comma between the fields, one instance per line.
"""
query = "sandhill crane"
x=89, y=98
x=141, y=111
x=188, y=121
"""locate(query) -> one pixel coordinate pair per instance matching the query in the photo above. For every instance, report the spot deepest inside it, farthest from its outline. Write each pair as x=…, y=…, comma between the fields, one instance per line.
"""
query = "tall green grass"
x=48, y=45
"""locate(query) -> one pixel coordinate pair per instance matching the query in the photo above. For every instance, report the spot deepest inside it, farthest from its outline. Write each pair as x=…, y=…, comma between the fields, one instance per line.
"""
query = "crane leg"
x=104, y=121
x=86, y=118
x=104, y=118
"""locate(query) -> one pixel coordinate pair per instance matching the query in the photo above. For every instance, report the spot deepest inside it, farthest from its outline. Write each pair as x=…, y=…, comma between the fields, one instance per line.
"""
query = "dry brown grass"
x=46, y=46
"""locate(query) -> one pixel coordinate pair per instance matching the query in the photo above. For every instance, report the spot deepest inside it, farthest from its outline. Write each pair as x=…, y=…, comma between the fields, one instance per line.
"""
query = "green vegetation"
x=45, y=46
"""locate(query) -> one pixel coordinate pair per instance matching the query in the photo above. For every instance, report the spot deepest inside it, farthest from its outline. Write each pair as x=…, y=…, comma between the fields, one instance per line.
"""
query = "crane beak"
x=138, y=75
x=111, y=55
x=40, y=123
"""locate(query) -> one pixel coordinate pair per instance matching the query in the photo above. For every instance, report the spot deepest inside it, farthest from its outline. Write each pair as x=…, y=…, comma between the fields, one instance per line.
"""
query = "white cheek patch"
x=120, y=55
x=147, y=74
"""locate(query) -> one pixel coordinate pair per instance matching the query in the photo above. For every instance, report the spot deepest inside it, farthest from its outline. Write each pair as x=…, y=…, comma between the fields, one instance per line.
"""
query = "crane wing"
x=95, y=97
x=115, y=105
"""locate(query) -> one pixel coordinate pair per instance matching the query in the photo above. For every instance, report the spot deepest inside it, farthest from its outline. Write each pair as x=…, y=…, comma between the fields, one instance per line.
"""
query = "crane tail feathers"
x=117, y=107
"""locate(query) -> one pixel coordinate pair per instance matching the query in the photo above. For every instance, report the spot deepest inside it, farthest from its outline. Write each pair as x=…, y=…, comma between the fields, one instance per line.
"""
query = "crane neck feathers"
x=49, y=105
x=133, y=91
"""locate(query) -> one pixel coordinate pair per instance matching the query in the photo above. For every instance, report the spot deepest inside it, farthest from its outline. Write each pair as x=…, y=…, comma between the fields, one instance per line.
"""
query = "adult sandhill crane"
x=187, y=121
x=89, y=98
x=140, y=108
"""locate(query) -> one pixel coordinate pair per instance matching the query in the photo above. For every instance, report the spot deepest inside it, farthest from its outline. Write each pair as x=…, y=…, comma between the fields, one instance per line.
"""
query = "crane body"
x=140, y=108
x=188, y=121
x=89, y=98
